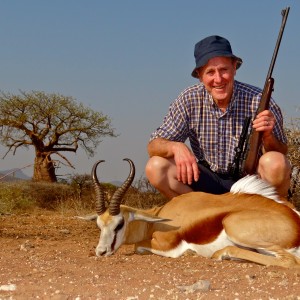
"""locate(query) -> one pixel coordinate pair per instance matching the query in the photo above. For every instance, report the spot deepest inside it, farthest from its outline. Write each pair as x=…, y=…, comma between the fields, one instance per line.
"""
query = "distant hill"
x=116, y=183
x=17, y=174
x=13, y=174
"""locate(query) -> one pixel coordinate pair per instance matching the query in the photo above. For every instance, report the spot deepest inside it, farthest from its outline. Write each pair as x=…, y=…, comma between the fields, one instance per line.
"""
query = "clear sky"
x=130, y=58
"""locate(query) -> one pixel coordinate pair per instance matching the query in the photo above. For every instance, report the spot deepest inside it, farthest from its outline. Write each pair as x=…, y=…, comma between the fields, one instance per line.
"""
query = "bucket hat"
x=210, y=47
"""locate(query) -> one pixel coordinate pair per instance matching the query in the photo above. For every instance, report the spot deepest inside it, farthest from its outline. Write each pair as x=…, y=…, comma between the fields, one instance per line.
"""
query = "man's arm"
x=161, y=147
x=271, y=143
x=185, y=160
x=265, y=122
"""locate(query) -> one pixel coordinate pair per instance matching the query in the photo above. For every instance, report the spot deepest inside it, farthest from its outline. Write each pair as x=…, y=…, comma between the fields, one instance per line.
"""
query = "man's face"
x=218, y=78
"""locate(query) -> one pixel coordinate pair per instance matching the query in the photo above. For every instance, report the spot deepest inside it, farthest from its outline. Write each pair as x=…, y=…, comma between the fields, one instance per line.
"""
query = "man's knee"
x=275, y=168
x=152, y=165
x=155, y=167
x=273, y=163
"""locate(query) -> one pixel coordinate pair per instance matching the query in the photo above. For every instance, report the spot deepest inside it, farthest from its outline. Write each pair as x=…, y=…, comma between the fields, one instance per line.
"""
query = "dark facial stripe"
x=117, y=229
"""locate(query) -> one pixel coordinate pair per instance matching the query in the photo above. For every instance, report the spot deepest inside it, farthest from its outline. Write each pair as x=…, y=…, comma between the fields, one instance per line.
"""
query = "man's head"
x=216, y=67
x=218, y=78
x=210, y=47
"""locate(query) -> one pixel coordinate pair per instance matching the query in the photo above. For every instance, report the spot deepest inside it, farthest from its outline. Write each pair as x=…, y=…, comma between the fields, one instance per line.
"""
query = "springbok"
x=248, y=223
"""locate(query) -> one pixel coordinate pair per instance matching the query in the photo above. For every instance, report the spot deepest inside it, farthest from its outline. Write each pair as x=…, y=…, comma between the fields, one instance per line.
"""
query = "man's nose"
x=218, y=77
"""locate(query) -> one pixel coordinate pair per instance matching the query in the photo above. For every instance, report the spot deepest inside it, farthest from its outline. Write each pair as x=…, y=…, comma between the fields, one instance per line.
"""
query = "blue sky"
x=130, y=59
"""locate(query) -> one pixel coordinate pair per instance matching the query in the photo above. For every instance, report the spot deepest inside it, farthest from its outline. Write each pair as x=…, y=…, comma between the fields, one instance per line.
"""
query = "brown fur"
x=252, y=221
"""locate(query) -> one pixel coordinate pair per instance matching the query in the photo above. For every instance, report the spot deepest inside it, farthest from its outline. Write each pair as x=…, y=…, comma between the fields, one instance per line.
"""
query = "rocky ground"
x=50, y=255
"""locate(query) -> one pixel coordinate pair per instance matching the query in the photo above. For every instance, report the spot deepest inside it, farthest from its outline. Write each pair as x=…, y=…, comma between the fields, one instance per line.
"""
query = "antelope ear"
x=88, y=217
x=137, y=215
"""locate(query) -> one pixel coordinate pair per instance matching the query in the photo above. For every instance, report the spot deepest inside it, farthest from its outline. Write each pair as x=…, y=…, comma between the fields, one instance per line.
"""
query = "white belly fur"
x=206, y=250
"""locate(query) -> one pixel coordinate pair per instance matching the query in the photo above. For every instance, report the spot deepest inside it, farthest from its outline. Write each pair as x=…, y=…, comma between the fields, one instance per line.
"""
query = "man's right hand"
x=186, y=163
x=187, y=167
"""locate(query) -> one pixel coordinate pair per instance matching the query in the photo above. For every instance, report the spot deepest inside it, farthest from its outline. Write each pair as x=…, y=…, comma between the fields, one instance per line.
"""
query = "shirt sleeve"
x=175, y=123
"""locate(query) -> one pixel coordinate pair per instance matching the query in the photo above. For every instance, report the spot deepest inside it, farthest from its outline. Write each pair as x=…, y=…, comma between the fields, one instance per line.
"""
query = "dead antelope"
x=249, y=223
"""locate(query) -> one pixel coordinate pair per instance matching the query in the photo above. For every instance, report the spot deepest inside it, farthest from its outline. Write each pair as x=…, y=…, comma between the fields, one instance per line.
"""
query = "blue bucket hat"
x=211, y=47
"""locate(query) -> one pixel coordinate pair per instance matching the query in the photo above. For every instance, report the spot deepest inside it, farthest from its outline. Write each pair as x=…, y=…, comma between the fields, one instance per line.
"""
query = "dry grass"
x=23, y=196
x=293, y=135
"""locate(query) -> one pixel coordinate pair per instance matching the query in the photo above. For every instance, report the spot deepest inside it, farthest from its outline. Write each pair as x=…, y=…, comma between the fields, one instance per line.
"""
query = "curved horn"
x=116, y=199
x=100, y=201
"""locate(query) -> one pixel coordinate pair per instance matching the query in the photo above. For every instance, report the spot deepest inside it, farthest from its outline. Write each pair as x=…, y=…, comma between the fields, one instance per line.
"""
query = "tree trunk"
x=44, y=168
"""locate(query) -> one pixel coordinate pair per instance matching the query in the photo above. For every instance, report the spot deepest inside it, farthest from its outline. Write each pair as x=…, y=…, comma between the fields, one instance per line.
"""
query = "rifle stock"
x=252, y=149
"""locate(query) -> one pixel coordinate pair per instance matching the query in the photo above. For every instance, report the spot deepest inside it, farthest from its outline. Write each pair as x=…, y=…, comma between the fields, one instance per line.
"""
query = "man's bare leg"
x=275, y=169
x=161, y=173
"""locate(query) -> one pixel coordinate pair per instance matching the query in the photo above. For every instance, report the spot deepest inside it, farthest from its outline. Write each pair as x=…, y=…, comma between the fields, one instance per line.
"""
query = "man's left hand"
x=265, y=122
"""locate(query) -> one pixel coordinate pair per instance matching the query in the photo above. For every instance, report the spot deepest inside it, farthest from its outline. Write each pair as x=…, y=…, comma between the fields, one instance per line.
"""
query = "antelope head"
x=113, y=219
x=110, y=220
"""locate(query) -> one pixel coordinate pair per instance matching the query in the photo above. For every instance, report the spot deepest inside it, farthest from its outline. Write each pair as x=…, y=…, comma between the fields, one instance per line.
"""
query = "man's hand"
x=264, y=122
x=187, y=167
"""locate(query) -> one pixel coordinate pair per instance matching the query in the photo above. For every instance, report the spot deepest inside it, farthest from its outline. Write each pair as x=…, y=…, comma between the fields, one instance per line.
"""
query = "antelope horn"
x=116, y=199
x=100, y=201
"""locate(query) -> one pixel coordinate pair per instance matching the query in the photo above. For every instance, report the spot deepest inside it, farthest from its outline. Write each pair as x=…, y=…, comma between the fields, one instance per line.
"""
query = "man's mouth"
x=219, y=87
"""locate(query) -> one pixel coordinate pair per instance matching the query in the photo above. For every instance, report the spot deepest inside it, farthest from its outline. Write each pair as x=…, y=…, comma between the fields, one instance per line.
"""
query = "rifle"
x=248, y=156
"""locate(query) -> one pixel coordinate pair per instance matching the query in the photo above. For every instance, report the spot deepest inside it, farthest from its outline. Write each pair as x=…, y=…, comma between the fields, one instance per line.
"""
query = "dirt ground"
x=47, y=255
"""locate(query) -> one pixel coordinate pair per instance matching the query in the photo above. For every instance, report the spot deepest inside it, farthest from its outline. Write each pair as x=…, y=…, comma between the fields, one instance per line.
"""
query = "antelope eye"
x=120, y=225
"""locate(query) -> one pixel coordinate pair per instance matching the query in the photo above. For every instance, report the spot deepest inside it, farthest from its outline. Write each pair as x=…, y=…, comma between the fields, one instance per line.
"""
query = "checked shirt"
x=213, y=134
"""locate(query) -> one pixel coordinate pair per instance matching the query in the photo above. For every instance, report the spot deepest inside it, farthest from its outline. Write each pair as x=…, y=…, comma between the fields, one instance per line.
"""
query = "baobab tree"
x=51, y=124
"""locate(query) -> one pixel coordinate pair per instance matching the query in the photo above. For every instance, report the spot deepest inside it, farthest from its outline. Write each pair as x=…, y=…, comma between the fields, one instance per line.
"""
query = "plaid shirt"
x=214, y=134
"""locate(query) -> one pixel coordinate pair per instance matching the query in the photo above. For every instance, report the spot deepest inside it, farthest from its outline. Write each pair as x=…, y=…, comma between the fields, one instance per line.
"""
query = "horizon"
x=130, y=60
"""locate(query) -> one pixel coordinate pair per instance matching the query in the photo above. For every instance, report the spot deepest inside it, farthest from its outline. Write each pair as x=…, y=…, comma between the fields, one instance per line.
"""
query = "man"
x=211, y=115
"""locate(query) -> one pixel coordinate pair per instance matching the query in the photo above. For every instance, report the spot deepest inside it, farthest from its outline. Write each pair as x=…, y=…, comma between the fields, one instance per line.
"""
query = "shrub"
x=25, y=195
x=293, y=135
x=12, y=197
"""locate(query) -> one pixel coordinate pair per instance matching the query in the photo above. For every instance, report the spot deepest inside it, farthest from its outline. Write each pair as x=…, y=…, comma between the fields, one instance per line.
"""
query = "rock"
x=201, y=285
x=8, y=287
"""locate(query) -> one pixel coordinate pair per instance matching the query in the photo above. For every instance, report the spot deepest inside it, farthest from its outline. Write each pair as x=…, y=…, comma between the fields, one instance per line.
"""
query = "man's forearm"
x=161, y=147
x=271, y=143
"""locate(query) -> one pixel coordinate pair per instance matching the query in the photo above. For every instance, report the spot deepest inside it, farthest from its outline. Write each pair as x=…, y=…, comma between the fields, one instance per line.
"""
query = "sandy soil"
x=47, y=255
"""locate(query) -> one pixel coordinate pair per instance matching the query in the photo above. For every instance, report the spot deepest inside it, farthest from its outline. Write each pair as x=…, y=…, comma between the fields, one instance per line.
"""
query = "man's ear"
x=234, y=65
x=199, y=73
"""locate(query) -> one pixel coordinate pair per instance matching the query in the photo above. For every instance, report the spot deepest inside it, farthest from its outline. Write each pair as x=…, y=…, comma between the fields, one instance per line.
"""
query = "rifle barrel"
x=250, y=161
x=284, y=13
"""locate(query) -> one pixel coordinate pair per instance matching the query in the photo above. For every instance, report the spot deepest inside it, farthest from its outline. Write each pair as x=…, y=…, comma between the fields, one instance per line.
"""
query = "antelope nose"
x=100, y=252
